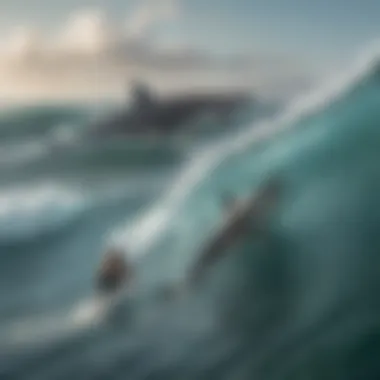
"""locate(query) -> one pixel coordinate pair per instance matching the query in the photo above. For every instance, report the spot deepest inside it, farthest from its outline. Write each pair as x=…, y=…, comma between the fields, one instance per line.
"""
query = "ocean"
x=299, y=302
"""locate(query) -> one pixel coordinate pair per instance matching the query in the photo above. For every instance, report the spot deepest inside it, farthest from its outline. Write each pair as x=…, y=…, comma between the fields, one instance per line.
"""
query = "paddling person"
x=114, y=272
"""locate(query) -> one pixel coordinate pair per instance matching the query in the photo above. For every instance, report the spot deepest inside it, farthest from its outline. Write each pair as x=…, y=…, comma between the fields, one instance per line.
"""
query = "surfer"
x=114, y=272
x=243, y=218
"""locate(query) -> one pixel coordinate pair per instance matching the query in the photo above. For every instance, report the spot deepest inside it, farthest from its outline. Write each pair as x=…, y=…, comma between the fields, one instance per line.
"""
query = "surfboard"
x=100, y=307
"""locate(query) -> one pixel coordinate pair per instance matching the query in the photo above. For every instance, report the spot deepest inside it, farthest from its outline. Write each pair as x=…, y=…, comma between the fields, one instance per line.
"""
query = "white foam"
x=22, y=152
x=95, y=309
x=27, y=209
x=39, y=330
x=89, y=312
x=143, y=232
x=64, y=134
x=32, y=199
x=86, y=314
x=43, y=329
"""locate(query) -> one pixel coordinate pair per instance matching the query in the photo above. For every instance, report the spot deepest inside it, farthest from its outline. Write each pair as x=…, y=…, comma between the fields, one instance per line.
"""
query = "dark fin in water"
x=142, y=96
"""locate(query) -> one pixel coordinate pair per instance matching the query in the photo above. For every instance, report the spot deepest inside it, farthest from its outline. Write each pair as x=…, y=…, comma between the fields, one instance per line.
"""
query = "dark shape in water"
x=243, y=219
x=114, y=272
x=149, y=115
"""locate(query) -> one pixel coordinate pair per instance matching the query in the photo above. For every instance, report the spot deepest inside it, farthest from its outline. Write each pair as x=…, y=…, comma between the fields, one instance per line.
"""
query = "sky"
x=81, y=48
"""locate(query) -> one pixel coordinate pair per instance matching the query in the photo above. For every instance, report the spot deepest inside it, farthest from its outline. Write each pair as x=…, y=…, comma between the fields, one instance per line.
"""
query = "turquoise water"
x=299, y=303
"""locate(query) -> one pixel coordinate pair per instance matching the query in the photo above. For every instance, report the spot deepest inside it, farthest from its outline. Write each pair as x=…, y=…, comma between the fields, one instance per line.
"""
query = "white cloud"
x=90, y=56
x=87, y=31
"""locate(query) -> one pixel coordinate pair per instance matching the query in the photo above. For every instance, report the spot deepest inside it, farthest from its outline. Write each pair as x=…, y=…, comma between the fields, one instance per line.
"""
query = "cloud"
x=90, y=56
x=87, y=31
x=149, y=14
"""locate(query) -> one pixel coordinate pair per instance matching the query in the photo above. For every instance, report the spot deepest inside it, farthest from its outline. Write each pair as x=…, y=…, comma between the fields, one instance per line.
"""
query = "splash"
x=86, y=314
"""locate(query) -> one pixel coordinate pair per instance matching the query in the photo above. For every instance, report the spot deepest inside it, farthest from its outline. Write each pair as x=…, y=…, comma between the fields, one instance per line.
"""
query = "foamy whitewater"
x=300, y=303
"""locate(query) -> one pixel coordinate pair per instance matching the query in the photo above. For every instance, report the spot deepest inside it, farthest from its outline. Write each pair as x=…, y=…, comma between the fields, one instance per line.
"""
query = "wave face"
x=300, y=303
